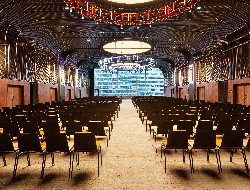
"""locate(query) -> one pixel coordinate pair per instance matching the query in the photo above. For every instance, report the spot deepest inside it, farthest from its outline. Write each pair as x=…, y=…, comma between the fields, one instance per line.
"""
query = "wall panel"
x=3, y=90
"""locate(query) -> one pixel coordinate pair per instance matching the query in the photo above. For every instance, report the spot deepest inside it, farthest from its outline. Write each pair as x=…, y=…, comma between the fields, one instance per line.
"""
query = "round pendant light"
x=127, y=47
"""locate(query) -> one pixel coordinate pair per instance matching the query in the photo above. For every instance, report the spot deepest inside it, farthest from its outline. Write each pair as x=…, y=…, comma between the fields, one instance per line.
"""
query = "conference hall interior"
x=124, y=94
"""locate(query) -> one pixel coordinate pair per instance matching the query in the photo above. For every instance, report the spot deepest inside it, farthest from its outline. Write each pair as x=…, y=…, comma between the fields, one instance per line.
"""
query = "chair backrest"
x=72, y=127
x=56, y=142
x=28, y=142
x=97, y=128
x=30, y=127
x=205, y=140
x=85, y=142
x=232, y=139
x=10, y=127
x=224, y=125
x=244, y=124
x=51, y=127
x=5, y=143
x=186, y=125
x=177, y=140
x=165, y=126
x=205, y=125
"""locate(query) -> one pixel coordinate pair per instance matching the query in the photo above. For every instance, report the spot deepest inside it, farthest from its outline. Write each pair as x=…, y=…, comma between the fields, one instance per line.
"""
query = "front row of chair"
x=231, y=140
x=30, y=143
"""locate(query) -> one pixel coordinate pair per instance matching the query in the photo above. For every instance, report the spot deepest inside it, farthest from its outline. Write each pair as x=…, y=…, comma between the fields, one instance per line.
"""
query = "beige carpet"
x=130, y=162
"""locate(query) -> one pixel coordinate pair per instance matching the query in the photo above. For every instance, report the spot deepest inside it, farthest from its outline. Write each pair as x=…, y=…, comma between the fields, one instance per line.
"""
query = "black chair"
x=72, y=127
x=163, y=127
x=206, y=140
x=5, y=145
x=27, y=143
x=234, y=140
x=176, y=140
x=54, y=143
x=97, y=128
x=84, y=142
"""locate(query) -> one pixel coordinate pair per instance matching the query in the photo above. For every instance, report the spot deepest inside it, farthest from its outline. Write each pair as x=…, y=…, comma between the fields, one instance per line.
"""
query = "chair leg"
x=245, y=160
x=4, y=160
x=109, y=133
x=161, y=151
x=98, y=163
x=184, y=156
x=101, y=159
x=208, y=153
x=218, y=160
x=231, y=155
x=78, y=158
x=15, y=165
x=165, y=164
x=53, y=158
x=71, y=162
x=43, y=164
x=28, y=159
x=191, y=161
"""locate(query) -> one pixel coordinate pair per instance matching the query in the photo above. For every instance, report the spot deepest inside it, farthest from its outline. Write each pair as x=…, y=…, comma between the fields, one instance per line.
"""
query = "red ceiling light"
x=113, y=16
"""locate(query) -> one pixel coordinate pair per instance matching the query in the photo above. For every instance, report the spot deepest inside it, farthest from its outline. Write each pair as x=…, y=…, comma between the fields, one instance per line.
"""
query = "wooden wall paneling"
x=18, y=95
x=84, y=92
x=201, y=93
x=172, y=93
x=239, y=94
x=212, y=92
x=168, y=91
x=231, y=88
x=247, y=94
x=79, y=93
x=4, y=83
x=69, y=93
x=223, y=91
x=46, y=92
x=53, y=94
x=181, y=93
x=185, y=92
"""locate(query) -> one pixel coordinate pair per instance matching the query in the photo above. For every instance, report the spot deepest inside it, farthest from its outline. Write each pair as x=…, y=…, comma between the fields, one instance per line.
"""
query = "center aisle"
x=130, y=160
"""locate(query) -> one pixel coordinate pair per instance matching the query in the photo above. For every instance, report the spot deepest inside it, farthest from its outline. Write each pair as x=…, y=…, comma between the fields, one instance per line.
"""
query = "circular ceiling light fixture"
x=131, y=63
x=127, y=47
x=130, y=1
